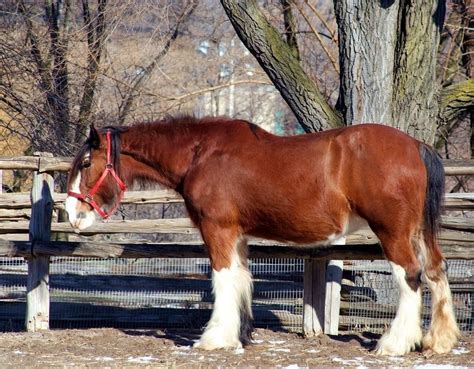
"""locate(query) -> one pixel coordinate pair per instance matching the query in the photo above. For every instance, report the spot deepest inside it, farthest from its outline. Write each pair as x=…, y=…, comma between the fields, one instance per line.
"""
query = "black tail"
x=434, y=189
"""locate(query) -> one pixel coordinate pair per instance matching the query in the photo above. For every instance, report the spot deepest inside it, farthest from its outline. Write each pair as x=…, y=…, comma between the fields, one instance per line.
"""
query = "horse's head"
x=94, y=184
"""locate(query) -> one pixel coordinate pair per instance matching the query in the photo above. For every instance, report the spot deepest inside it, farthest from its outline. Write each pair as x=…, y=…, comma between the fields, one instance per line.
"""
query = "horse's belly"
x=311, y=234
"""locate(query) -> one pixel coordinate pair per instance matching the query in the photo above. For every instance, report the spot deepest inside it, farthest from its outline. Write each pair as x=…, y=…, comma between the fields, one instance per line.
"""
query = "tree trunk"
x=415, y=99
x=388, y=55
x=367, y=40
x=278, y=61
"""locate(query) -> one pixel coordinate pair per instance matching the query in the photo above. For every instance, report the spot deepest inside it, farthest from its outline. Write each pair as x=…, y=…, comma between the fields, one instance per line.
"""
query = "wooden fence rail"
x=323, y=265
x=94, y=249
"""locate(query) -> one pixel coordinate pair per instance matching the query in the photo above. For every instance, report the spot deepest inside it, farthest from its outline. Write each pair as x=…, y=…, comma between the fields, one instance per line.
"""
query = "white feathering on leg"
x=405, y=332
x=232, y=289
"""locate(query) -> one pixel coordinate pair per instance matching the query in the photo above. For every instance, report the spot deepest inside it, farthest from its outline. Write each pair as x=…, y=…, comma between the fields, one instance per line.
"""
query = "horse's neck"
x=162, y=156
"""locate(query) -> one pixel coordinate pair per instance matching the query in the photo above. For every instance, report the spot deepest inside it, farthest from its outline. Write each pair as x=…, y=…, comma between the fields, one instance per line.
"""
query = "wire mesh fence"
x=157, y=292
x=373, y=295
x=177, y=293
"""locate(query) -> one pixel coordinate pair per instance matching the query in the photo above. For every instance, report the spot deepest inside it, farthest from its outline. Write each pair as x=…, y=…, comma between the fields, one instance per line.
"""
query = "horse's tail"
x=433, y=206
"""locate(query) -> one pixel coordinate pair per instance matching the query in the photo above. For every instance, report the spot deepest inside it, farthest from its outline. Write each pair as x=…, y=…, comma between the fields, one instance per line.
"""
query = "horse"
x=238, y=180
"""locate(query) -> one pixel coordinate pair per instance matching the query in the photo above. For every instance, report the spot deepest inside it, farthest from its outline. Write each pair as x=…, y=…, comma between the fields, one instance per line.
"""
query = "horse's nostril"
x=81, y=215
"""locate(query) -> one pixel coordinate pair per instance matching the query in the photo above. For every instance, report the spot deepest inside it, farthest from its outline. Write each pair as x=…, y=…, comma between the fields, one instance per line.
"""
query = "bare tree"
x=57, y=64
x=387, y=56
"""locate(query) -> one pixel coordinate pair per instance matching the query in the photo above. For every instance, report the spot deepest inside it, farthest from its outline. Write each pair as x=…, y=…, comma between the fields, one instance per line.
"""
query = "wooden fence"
x=32, y=213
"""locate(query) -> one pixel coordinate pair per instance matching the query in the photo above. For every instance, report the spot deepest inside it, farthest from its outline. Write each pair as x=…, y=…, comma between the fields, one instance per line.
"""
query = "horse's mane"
x=182, y=120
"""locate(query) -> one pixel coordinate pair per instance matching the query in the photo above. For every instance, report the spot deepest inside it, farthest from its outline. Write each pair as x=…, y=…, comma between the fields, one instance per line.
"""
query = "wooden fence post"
x=332, y=304
x=322, y=295
x=37, y=296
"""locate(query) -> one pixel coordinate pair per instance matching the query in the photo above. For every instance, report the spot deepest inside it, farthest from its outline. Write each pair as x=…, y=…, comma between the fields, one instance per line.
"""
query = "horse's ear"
x=94, y=138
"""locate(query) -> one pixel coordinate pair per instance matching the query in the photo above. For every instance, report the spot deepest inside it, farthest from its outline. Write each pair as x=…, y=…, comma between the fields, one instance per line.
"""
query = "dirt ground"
x=115, y=348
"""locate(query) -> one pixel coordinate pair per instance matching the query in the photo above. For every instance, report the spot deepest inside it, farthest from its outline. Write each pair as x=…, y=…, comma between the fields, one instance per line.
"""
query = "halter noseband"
x=89, y=197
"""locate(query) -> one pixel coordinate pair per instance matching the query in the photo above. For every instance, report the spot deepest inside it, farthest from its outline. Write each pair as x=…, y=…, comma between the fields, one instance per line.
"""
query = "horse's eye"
x=86, y=163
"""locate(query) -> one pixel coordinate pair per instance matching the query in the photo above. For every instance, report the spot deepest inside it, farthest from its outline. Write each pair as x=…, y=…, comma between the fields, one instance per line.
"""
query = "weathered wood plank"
x=454, y=201
x=54, y=164
x=314, y=297
x=22, y=199
x=164, y=196
x=185, y=226
x=460, y=224
x=36, y=163
x=37, y=295
x=458, y=167
x=452, y=249
x=333, y=296
x=19, y=162
x=17, y=200
x=15, y=214
x=459, y=201
x=144, y=226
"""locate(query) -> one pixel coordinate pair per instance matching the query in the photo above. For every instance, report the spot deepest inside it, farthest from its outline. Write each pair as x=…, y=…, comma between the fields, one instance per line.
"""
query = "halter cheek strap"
x=109, y=169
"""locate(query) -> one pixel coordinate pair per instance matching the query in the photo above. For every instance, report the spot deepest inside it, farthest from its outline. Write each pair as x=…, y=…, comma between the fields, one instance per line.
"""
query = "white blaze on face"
x=78, y=219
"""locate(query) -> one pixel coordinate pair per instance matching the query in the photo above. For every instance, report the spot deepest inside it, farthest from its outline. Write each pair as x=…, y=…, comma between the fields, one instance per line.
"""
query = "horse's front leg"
x=230, y=324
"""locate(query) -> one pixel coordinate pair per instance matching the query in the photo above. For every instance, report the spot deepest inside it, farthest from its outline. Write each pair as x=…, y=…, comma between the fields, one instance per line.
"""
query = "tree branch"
x=276, y=58
x=95, y=41
x=320, y=40
x=457, y=100
x=126, y=104
x=290, y=28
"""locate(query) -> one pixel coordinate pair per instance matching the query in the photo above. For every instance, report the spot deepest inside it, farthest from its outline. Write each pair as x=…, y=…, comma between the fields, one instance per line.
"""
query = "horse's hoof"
x=209, y=345
x=390, y=347
x=427, y=353
x=439, y=343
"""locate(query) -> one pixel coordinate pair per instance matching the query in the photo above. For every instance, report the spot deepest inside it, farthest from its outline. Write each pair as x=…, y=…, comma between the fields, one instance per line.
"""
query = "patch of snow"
x=17, y=352
x=396, y=358
x=460, y=351
x=439, y=366
x=239, y=351
x=140, y=359
x=257, y=341
x=312, y=351
x=276, y=342
x=347, y=362
x=104, y=358
x=182, y=353
x=280, y=349
x=186, y=348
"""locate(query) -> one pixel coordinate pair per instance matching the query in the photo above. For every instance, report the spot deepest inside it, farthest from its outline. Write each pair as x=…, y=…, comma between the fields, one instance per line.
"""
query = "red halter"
x=89, y=197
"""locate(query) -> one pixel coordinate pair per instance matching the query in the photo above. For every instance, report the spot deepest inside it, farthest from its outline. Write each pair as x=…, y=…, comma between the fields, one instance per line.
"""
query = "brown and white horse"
x=238, y=180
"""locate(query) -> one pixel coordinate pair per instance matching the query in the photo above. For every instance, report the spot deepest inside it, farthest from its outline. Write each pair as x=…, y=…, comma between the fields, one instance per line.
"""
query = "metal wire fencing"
x=141, y=293
x=177, y=293
x=373, y=295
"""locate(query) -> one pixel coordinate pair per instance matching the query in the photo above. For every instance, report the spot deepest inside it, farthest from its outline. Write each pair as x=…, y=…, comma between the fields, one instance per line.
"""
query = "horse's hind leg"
x=443, y=333
x=230, y=323
x=404, y=334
